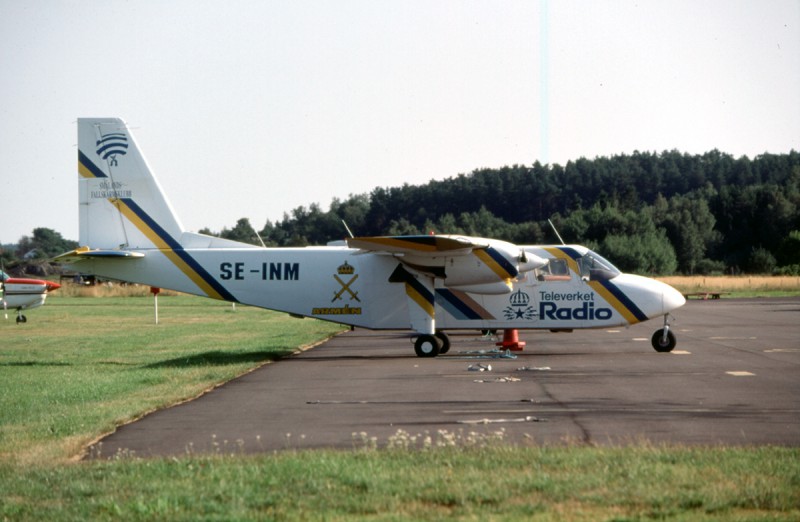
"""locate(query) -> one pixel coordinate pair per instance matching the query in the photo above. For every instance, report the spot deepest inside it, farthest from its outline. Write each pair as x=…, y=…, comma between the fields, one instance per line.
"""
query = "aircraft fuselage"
x=351, y=287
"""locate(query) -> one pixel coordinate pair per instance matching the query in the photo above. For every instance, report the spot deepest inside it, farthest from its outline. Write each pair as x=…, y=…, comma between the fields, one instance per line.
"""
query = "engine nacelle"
x=500, y=262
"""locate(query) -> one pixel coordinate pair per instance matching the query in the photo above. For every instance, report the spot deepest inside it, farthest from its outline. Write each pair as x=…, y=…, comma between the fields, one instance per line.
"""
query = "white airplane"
x=23, y=294
x=429, y=284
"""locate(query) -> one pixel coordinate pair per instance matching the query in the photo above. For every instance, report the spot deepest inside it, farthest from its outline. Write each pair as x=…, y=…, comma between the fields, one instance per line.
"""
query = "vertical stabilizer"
x=121, y=203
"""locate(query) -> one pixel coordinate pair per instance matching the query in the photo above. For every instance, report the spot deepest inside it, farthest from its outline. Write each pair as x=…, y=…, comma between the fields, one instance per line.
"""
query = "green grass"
x=495, y=482
x=80, y=366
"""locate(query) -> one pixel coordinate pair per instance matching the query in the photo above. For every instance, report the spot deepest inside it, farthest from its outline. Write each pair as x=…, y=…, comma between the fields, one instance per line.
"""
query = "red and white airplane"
x=22, y=294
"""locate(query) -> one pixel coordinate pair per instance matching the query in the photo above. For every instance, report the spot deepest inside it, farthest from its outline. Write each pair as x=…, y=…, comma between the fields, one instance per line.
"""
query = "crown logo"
x=519, y=298
x=346, y=269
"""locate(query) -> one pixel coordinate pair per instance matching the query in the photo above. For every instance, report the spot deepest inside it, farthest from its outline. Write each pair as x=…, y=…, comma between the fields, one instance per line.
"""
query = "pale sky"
x=251, y=109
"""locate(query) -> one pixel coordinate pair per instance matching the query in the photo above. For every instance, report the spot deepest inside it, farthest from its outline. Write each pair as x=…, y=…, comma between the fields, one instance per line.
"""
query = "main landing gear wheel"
x=663, y=341
x=427, y=346
x=21, y=319
x=444, y=342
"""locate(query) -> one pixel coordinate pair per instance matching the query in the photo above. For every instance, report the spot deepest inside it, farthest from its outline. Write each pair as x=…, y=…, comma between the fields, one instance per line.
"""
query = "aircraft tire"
x=427, y=346
x=444, y=342
x=21, y=319
x=662, y=345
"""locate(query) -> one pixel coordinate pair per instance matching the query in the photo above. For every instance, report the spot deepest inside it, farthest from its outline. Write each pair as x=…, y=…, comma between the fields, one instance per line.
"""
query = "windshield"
x=596, y=267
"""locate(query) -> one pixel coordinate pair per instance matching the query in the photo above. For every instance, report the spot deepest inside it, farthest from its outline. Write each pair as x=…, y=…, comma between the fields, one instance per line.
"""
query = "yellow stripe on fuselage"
x=609, y=298
x=165, y=249
x=613, y=301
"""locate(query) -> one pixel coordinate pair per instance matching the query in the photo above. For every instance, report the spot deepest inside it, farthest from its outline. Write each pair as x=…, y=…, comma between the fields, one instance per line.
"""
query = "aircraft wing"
x=417, y=245
x=471, y=264
x=84, y=253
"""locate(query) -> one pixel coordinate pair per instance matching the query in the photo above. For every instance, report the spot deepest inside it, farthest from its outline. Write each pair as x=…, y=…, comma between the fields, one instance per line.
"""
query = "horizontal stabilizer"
x=84, y=253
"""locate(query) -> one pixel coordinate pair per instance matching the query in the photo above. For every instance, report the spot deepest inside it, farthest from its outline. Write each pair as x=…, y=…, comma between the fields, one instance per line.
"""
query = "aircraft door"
x=563, y=298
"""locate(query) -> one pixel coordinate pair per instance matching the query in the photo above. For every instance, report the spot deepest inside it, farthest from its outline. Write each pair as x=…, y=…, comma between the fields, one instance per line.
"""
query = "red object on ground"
x=511, y=341
x=48, y=285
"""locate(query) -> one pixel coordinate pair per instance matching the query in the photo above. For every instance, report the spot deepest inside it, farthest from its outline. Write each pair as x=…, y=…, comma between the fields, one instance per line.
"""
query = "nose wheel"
x=664, y=340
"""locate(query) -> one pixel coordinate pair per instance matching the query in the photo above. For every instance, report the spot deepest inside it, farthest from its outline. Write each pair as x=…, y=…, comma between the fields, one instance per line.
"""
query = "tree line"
x=649, y=213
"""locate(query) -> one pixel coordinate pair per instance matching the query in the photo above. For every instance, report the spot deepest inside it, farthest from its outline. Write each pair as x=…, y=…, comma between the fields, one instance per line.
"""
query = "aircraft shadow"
x=35, y=363
x=218, y=357
x=329, y=358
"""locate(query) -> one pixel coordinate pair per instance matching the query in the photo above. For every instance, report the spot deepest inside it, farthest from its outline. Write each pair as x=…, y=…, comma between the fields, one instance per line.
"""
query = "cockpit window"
x=597, y=268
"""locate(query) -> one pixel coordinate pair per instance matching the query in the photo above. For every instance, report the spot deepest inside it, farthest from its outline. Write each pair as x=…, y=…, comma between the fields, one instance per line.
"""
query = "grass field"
x=81, y=366
x=494, y=483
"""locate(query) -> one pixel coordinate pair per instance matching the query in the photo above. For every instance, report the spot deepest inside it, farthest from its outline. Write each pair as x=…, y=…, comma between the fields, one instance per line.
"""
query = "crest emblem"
x=345, y=269
x=345, y=275
x=519, y=307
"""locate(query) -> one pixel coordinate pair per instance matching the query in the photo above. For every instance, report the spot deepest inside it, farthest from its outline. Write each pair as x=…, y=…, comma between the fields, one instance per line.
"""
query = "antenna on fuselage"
x=347, y=228
x=257, y=235
x=556, y=231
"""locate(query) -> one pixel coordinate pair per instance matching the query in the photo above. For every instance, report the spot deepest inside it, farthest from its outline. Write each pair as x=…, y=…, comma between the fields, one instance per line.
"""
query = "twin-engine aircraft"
x=429, y=284
x=22, y=294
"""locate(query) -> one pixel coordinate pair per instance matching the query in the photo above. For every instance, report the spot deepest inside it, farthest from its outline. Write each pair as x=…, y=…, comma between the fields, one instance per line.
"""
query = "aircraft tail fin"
x=122, y=204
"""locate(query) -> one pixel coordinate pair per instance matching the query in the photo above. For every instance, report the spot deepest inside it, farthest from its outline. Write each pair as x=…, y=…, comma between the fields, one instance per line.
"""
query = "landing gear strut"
x=664, y=340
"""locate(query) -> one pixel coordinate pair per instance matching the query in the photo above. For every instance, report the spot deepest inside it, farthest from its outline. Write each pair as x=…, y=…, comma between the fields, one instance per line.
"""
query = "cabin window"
x=555, y=270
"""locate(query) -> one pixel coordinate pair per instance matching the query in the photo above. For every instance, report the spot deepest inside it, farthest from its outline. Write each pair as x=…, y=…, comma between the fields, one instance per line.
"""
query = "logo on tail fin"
x=111, y=145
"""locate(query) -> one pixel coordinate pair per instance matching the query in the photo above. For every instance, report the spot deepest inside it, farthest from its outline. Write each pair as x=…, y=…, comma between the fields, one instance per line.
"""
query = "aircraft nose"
x=671, y=299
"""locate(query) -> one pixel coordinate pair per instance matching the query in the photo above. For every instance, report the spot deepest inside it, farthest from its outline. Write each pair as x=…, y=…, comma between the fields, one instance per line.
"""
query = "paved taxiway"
x=734, y=378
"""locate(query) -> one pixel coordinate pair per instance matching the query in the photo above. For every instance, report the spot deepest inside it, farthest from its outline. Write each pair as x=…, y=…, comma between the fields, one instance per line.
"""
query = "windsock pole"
x=155, y=290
